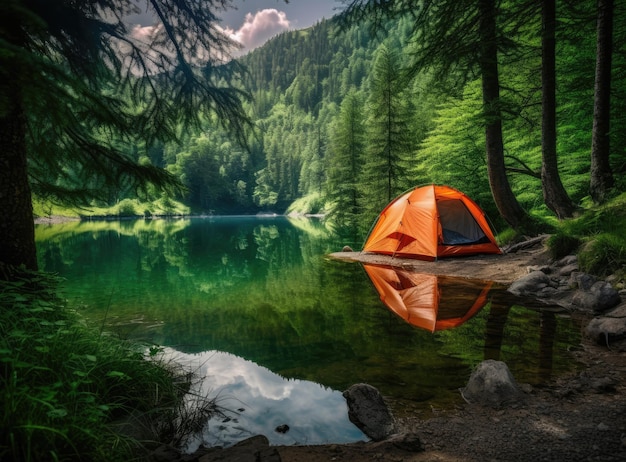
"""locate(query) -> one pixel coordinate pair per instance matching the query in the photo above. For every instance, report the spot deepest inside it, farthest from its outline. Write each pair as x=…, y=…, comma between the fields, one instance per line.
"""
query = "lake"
x=278, y=329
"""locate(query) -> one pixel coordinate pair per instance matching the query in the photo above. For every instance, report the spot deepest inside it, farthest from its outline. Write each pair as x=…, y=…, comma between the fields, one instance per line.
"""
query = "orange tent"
x=428, y=301
x=431, y=222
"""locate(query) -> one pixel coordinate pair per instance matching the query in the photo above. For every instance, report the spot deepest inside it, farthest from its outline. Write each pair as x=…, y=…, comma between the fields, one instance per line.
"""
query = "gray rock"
x=567, y=270
x=368, y=411
x=599, y=298
x=254, y=449
x=492, y=384
x=609, y=328
x=582, y=281
x=567, y=261
x=530, y=284
x=409, y=442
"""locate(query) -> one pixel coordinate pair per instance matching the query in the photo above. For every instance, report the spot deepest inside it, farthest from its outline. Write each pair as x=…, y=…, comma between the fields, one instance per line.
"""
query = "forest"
x=343, y=122
x=346, y=115
x=519, y=104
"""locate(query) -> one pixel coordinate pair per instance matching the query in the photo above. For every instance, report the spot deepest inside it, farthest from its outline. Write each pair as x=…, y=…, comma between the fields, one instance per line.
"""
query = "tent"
x=431, y=222
x=429, y=301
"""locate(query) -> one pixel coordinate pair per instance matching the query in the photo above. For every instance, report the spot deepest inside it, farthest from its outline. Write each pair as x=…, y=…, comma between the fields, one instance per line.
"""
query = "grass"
x=66, y=388
x=597, y=237
x=124, y=208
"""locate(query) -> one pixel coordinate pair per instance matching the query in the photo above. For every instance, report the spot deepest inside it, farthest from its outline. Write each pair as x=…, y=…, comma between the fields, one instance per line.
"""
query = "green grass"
x=310, y=204
x=65, y=386
x=597, y=236
x=124, y=208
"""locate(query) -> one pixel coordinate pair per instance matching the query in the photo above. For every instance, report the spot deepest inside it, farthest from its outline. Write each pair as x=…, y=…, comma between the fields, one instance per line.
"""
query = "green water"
x=259, y=306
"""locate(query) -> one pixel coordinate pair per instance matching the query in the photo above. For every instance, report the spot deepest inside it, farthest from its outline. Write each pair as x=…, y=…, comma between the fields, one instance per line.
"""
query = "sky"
x=256, y=21
x=253, y=22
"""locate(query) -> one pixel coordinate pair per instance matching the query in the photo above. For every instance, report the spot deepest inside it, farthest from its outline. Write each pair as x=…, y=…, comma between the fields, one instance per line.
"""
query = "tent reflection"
x=428, y=301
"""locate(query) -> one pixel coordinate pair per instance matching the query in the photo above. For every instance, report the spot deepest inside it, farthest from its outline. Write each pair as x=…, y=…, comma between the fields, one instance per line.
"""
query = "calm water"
x=279, y=329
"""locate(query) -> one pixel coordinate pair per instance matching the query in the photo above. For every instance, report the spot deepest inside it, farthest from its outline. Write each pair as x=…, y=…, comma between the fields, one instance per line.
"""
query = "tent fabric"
x=431, y=222
x=428, y=301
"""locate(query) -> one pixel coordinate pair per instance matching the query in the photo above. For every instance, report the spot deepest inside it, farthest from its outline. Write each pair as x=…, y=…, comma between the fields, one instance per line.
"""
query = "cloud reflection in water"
x=258, y=401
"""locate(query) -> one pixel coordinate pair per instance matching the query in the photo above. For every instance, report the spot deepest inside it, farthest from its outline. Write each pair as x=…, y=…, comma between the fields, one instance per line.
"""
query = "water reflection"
x=255, y=401
x=261, y=289
x=429, y=301
x=435, y=303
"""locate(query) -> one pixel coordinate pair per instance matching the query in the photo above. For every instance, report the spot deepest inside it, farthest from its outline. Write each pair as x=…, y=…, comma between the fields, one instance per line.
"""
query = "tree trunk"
x=601, y=174
x=17, y=229
x=501, y=190
x=554, y=194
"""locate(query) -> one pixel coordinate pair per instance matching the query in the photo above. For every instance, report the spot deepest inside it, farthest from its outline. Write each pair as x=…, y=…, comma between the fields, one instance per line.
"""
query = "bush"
x=561, y=245
x=63, y=384
x=603, y=255
x=126, y=208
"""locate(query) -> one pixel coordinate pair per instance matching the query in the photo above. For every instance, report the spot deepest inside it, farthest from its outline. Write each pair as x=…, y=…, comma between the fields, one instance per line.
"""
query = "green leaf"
x=57, y=413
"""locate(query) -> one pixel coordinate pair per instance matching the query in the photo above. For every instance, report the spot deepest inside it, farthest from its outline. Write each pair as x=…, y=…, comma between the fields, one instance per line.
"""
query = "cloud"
x=144, y=33
x=259, y=27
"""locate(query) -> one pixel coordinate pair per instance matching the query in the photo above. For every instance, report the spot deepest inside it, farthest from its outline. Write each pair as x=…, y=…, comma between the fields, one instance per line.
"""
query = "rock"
x=255, y=449
x=608, y=328
x=347, y=248
x=567, y=270
x=567, y=261
x=530, y=284
x=582, y=281
x=492, y=384
x=599, y=298
x=409, y=442
x=368, y=411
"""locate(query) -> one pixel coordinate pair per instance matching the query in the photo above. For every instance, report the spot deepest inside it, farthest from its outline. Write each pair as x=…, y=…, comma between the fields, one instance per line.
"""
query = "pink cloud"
x=259, y=27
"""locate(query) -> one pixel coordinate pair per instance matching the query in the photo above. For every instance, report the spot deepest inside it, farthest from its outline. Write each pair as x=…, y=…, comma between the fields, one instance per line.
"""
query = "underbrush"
x=162, y=206
x=69, y=391
x=597, y=236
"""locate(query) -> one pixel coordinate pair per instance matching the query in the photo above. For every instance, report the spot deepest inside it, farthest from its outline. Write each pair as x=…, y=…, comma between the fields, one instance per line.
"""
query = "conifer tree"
x=389, y=140
x=601, y=173
x=76, y=81
x=346, y=151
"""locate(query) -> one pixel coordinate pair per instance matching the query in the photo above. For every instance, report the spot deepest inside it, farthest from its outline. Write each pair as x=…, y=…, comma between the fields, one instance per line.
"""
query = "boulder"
x=368, y=411
x=530, y=284
x=600, y=297
x=608, y=328
x=492, y=384
x=582, y=281
x=254, y=449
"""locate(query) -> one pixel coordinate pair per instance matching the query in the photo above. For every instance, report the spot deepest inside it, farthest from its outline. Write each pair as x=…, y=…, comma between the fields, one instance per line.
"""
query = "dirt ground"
x=504, y=268
x=578, y=417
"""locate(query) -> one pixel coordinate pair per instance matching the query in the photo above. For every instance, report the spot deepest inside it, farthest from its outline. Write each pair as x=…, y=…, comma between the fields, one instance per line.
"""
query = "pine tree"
x=75, y=81
x=389, y=141
x=346, y=152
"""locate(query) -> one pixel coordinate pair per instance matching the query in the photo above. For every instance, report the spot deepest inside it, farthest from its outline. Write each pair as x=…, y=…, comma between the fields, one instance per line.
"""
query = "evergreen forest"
x=341, y=127
x=519, y=104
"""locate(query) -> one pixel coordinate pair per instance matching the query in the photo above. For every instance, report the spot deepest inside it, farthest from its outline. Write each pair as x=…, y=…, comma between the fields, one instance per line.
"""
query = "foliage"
x=313, y=204
x=598, y=233
x=604, y=254
x=102, y=87
x=302, y=82
x=67, y=387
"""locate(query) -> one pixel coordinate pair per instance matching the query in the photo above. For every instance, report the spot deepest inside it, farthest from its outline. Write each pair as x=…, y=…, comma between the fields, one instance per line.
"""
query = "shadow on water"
x=256, y=302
